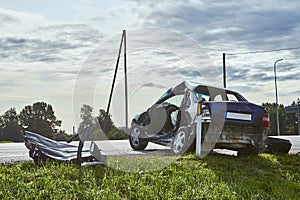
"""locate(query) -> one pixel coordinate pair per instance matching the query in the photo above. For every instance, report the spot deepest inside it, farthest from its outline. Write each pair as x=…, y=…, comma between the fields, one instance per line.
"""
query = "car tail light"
x=265, y=120
x=199, y=108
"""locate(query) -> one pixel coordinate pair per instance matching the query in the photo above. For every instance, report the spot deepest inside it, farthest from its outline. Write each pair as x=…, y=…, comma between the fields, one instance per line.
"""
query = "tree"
x=108, y=127
x=287, y=121
x=293, y=119
x=86, y=114
x=1, y=126
x=10, y=115
x=61, y=136
x=116, y=134
x=89, y=124
x=105, y=121
x=40, y=118
x=296, y=103
x=11, y=130
x=99, y=128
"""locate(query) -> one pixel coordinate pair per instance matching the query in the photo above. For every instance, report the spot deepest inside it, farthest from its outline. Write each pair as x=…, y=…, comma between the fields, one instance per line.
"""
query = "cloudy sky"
x=64, y=52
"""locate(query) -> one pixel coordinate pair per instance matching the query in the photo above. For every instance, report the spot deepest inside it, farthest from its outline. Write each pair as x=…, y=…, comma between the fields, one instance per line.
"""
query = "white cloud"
x=18, y=23
x=41, y=52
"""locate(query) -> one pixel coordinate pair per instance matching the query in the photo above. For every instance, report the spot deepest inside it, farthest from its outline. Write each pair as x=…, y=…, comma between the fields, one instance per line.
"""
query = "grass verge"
x=3, y=142
x=213, y=177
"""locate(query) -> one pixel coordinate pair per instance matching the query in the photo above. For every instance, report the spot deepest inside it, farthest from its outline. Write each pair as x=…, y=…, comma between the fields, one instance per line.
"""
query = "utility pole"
x=123, y=42
x=115, y=75
x=224, y=71
x=125, y=74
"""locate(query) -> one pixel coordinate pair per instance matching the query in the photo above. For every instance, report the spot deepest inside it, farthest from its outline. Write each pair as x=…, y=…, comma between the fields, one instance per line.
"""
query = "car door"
x=189, y=107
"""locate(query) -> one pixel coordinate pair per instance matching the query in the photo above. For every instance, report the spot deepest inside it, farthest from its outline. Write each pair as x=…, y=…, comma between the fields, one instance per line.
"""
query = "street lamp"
x=277, y=117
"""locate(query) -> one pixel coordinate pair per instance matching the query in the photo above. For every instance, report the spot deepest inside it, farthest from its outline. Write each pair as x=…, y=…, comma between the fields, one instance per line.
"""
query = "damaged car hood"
x=42, y=148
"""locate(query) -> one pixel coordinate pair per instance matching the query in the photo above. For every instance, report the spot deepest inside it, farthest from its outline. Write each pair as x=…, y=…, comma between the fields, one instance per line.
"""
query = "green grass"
x=213, y=177
x=4, y=141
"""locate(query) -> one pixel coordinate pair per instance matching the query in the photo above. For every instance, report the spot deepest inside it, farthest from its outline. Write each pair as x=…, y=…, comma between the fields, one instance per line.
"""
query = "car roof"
x=198, y=88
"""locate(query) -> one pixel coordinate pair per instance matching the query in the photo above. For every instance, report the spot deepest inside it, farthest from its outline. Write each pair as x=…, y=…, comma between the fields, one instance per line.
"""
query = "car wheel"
x=135, y=141
x=182, y=142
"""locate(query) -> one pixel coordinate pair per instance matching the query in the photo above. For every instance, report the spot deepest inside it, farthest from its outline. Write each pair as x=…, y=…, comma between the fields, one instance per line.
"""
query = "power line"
x=263, y=51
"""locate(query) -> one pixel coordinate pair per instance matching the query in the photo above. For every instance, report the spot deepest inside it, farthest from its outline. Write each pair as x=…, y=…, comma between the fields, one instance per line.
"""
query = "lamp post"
x=277, y=117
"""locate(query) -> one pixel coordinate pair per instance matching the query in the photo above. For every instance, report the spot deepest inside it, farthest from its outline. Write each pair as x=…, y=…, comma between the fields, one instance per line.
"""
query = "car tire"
x=182, y=142
x=136, y=142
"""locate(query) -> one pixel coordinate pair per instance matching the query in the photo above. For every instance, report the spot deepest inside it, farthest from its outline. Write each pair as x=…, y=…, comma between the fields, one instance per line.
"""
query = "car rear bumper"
x=237, y=137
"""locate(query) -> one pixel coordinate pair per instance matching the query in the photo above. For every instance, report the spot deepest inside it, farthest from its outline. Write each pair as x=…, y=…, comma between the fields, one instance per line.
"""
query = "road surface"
x=11, y=152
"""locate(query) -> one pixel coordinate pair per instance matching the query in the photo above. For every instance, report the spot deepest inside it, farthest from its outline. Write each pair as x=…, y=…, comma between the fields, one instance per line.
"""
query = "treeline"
x=101, y=127
x=288, y=122
x=40, y=118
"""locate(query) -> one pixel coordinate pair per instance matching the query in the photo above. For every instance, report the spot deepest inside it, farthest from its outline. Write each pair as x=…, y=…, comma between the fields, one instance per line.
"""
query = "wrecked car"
x=228, y=120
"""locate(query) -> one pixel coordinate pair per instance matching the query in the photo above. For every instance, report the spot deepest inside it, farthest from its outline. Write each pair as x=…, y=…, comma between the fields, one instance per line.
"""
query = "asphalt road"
x=11, y=152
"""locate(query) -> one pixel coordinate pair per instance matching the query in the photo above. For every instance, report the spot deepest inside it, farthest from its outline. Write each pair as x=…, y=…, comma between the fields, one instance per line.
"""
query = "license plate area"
x=238, y=116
